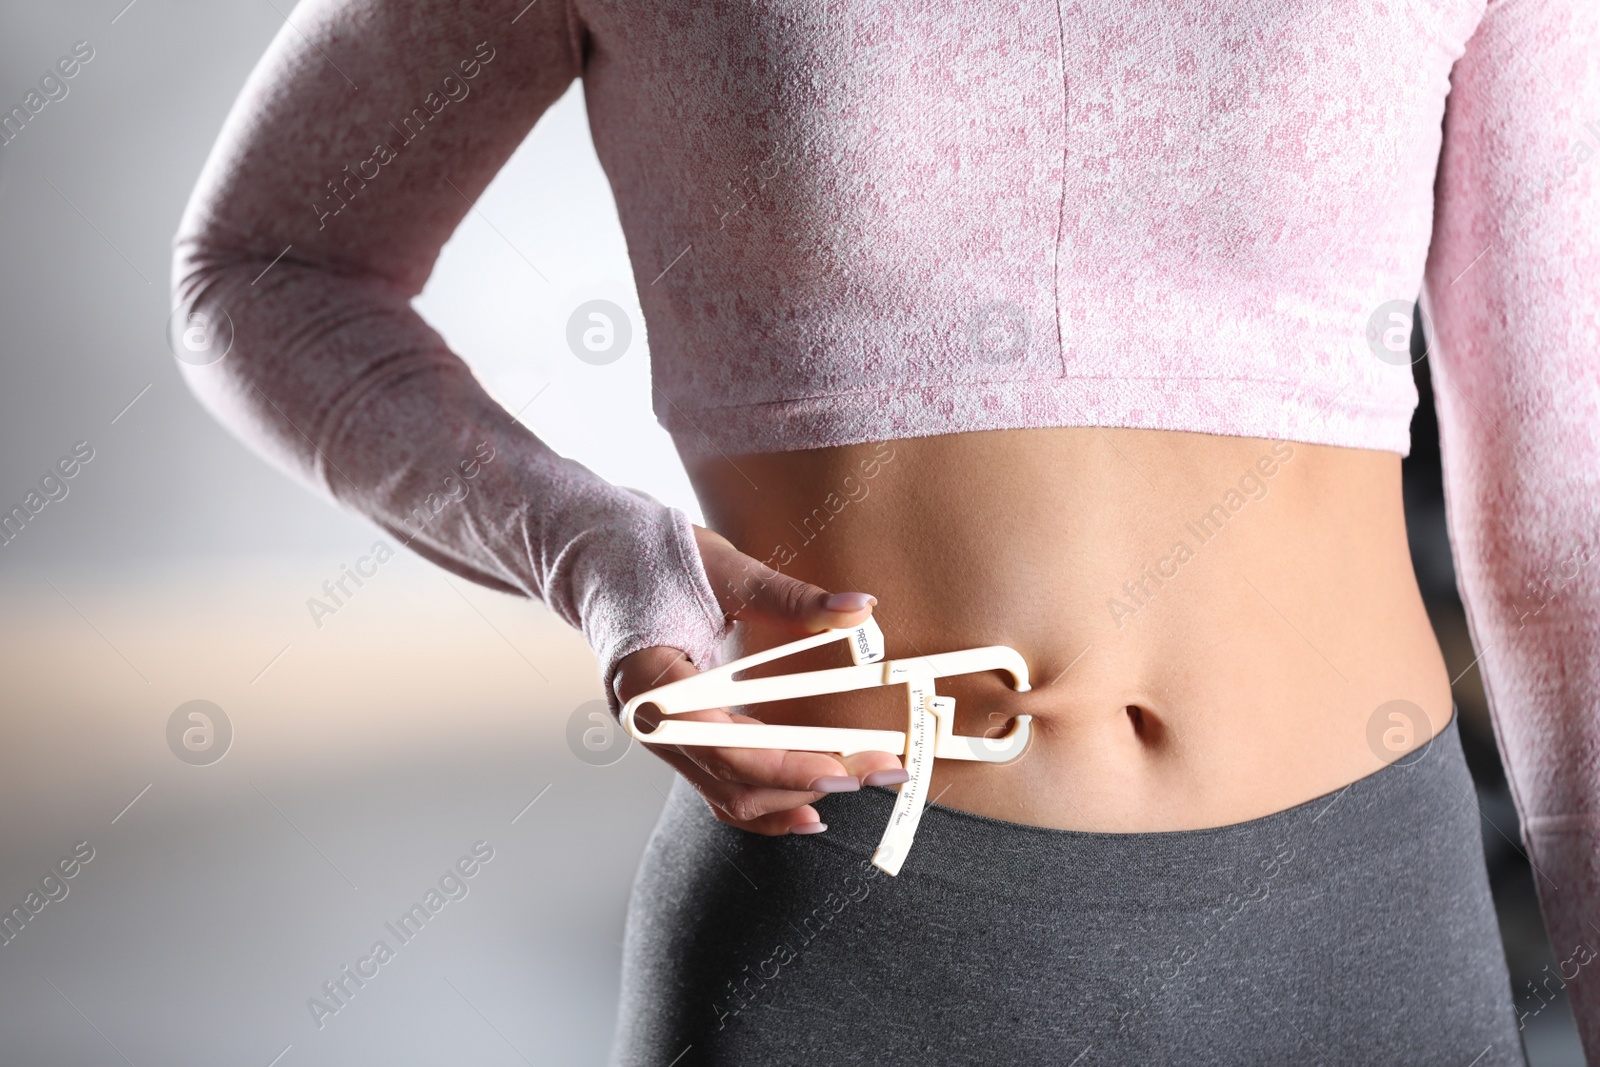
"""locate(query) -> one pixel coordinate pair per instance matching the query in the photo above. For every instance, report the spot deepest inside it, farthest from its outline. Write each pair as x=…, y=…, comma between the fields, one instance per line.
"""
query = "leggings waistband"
x=1428, y=789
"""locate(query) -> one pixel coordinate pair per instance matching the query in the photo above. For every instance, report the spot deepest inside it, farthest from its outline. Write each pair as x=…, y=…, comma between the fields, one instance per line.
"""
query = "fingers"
x=744, y=806
x=769, y=790
x=764, y=791
x=750, y=591
x=750, y=796
x=757, y=790
x=648, y=668
x=787, y=772
x=876, y=768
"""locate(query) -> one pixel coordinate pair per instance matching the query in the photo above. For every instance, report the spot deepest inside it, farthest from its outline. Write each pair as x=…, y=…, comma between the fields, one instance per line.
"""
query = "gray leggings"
x=1354, y=929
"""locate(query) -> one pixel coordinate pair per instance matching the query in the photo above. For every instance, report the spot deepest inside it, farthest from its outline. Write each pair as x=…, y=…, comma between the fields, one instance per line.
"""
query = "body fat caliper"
x=930, y=726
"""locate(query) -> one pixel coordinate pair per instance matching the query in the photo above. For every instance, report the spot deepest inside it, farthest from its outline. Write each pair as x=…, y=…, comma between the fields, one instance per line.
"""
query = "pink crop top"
x=858, y=220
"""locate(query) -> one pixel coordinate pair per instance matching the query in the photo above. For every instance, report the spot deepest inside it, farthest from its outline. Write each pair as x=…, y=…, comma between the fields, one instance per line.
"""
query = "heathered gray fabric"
x=1355, y=929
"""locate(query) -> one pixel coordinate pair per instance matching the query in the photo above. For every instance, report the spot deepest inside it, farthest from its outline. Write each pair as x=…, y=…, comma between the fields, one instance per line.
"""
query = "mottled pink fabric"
x=311, y=240
x=1513, y=289
x=855, y=221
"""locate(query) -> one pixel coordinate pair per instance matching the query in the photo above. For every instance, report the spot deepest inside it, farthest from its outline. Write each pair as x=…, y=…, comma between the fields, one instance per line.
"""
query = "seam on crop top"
x=1297, y=386
x=1061, y=211
x=1304, y=405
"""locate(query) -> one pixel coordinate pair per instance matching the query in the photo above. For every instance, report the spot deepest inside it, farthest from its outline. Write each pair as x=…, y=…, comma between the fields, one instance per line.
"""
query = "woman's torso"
x=973, y=239
x=1216, y=627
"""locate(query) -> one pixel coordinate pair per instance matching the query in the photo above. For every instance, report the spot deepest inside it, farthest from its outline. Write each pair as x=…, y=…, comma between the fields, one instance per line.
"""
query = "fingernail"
x=835, y=783
x=809, y=828
x=891, y=777
x=845, y=603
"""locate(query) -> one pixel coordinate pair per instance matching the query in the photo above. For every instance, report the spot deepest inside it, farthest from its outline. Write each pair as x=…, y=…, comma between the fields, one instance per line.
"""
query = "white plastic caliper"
x=930, y=726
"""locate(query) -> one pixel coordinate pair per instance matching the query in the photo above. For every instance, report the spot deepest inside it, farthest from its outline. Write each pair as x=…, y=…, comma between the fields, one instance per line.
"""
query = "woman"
x=1074, y=328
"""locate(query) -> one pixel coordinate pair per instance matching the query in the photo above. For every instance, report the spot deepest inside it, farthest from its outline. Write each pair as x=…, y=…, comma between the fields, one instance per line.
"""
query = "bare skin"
x=1174, y=688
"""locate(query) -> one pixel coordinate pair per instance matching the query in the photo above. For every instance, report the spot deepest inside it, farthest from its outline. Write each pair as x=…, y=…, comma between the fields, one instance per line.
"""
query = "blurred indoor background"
x=426, y=717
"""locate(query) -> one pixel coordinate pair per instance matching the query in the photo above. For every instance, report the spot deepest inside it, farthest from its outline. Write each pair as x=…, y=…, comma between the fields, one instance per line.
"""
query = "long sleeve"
x=351, y=155
x=1513, y=291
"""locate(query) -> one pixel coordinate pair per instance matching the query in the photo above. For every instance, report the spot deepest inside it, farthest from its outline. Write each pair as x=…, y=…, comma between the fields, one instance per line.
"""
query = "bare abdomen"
x=1217, y=627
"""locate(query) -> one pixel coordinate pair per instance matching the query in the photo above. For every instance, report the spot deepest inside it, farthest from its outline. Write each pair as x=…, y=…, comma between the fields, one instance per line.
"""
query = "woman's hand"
x=765, y=791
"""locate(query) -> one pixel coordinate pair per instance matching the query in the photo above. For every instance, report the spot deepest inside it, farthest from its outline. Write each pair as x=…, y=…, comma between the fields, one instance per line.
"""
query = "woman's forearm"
x=330, y=372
